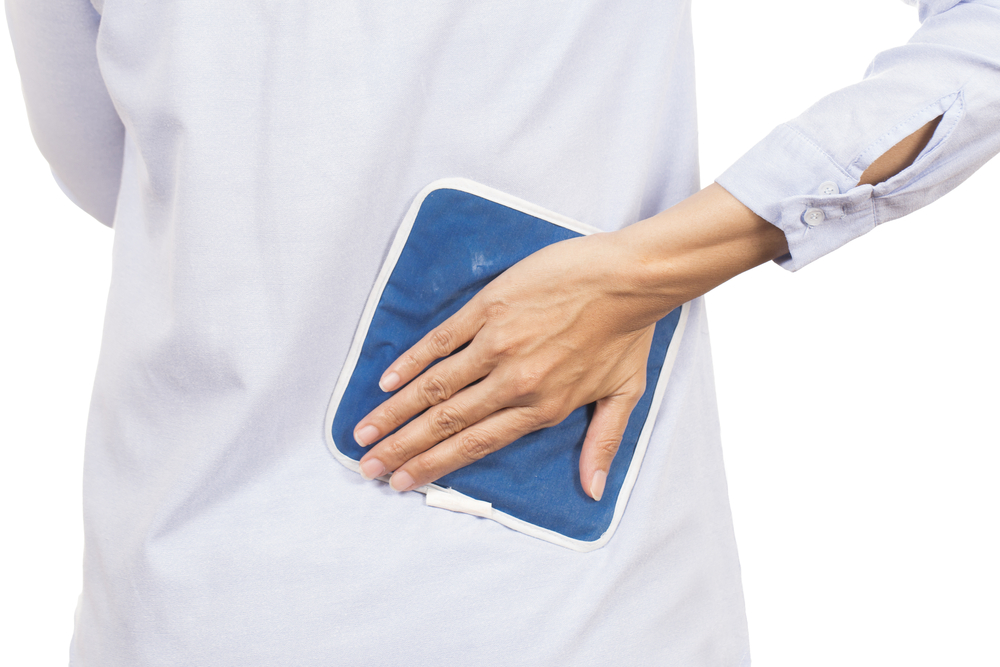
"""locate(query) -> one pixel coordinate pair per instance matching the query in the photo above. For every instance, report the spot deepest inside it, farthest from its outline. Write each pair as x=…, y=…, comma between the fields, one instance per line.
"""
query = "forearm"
x=592, y=298
x=711, y=236
x=696, y=245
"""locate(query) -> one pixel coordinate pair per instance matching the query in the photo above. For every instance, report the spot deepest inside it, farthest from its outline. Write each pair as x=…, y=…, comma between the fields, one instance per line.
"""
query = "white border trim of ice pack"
x=471, y=187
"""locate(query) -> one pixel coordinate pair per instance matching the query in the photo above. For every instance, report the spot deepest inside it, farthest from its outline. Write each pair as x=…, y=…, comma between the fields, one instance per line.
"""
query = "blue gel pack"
x=458, y=236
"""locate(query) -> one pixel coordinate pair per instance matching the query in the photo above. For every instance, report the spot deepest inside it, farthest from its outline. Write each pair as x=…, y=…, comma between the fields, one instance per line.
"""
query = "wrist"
x=698, y=244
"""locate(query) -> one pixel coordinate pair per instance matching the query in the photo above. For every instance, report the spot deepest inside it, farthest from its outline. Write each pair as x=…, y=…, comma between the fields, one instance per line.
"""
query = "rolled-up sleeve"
x=803, y=177
x=72, y=117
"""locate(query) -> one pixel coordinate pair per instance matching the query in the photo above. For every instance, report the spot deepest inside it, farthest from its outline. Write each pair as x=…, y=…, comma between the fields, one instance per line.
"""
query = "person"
x=217, y=530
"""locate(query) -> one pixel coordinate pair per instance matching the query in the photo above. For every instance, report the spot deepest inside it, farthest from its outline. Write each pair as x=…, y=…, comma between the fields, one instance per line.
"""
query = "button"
x=829, y=188
x=813, y=217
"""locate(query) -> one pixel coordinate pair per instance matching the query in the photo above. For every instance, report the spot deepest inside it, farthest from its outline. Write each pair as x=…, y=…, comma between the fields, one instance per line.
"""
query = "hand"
x=558, y=330
x=567, y=326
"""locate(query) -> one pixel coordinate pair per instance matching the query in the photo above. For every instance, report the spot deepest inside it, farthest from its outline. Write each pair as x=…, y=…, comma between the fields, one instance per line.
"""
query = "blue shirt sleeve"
x=803, y=177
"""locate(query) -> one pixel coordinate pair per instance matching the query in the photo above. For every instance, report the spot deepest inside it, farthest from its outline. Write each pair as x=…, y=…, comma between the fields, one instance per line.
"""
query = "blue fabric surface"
x=460, y=242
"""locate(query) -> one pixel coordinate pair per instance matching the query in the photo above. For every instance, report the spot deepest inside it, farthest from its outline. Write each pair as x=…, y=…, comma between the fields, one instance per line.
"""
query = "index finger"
x=439, y=342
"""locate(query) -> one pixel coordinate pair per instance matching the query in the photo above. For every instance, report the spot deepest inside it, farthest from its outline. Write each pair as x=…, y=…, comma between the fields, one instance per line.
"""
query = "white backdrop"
x=856, y=395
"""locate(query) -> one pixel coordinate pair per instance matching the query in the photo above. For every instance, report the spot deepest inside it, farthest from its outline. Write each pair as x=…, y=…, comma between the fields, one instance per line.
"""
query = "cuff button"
x=828, y=188
x=813, y=217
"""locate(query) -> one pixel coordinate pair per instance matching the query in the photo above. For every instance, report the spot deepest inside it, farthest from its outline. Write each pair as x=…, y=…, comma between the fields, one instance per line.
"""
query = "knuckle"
x=607, y=446
x=501, y=345
x=495, y=310
x=391, y=414
x=525, y=383
x=441, y=342
x=474, y=446
x=420, y=468
x=549, y=414
x=395, y=451
x=509, y=347
x=435, y=389
x=445, y=422
x=408, y=362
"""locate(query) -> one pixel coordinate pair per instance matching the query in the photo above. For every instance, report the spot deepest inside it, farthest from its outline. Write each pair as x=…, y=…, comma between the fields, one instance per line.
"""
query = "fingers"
x=437, y=425
x=439, y=342
x=432, y=388
x=487, y=436
x=604, y=435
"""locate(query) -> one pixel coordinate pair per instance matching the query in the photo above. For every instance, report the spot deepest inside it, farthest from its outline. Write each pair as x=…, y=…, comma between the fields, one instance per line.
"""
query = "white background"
x=857, y=395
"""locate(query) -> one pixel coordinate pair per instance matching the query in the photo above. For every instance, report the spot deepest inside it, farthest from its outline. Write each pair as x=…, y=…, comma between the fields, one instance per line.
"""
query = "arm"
x=569, y=326
x=947, y=74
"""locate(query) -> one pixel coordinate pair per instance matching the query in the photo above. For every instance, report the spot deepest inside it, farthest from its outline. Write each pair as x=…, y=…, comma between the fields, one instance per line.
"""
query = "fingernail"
x=389, y=381
x=366, y=436
x=597, y=484
x=371, y=469
x=401, y=481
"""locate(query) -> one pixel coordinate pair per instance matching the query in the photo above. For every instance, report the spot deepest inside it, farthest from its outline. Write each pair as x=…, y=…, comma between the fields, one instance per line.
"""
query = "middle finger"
x=439, y=423
x=435, y=385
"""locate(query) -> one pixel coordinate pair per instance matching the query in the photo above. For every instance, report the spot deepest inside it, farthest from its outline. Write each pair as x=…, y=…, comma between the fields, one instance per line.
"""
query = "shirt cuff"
x=829, y=208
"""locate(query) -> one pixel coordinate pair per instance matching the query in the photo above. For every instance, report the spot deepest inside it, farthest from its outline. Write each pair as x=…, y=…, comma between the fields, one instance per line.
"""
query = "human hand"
x=567, y=326
x=563, y=328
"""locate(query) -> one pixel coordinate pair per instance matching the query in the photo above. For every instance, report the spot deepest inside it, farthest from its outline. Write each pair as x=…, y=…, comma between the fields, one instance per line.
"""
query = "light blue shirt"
x=256, y=159
x=803, y=176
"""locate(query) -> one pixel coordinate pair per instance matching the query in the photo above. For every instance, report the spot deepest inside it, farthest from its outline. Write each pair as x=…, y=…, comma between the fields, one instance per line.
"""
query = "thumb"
x=604, y=435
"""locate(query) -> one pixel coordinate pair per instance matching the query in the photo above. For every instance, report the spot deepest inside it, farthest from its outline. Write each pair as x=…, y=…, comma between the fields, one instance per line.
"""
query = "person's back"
x=271, y=153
